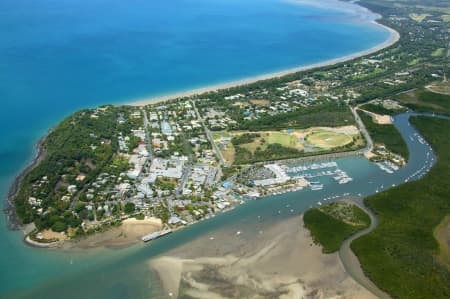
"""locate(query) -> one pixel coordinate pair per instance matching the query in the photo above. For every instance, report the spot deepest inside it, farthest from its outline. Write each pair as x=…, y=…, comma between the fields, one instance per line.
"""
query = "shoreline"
x=393, y=38
x=9, y=208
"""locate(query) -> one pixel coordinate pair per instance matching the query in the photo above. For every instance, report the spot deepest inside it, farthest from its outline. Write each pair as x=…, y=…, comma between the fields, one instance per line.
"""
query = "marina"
x=387, y=166
x=317, y=170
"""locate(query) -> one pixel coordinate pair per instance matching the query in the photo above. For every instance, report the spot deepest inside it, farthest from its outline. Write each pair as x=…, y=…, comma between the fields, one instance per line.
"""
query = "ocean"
x=58, y=56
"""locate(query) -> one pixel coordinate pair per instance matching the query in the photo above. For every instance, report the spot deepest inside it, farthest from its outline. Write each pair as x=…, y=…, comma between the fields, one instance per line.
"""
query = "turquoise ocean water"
x=57, y=56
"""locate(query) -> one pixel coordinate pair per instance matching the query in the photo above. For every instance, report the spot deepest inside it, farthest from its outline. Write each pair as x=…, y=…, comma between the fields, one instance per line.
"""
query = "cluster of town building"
x=170, y=166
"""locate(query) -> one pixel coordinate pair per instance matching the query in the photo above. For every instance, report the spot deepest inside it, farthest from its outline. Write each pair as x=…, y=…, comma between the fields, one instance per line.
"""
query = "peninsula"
x=190, y=157
x=145, y=170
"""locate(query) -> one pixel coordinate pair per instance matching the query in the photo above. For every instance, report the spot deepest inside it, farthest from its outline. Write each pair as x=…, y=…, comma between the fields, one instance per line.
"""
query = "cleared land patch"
x=223, y=141
x=379, y=118
x=442, y=235
x=260, y=102
x=440, y=87
x=382, y=109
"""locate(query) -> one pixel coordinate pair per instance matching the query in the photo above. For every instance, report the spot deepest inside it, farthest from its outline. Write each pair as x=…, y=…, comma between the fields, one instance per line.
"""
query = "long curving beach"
x=393, y=38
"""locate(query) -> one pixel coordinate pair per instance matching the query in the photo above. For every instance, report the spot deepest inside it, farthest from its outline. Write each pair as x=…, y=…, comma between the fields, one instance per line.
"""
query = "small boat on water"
x=316, y=187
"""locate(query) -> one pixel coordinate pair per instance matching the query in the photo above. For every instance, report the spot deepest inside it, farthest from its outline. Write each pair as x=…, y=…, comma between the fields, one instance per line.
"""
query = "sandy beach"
x=393, y=38
x=279, y=262
x=127, y=234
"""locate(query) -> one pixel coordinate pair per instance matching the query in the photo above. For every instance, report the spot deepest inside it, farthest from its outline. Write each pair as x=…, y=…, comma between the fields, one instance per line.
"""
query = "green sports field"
x=328, y=139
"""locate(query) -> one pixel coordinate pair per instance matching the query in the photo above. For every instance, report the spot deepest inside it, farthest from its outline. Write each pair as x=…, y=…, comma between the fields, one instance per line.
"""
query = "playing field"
x=319, y=138
x=328, y=139
x=419, y=17
x=285, y=139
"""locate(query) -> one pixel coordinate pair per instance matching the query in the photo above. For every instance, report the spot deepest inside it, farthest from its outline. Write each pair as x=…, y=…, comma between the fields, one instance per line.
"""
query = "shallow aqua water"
x=57, y=56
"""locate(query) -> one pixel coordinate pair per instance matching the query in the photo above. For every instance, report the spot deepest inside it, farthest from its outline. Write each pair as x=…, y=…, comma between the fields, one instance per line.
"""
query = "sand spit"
x=281, y=262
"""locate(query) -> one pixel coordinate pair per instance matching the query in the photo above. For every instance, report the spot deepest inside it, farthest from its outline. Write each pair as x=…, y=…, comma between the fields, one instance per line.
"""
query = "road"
x=209, y=136
x=147, y=135
x=362, y=128
x=186, y=171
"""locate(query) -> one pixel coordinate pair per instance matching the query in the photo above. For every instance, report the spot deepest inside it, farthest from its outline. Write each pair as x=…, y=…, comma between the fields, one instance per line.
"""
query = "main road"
x=147, y=135
x=209, y=136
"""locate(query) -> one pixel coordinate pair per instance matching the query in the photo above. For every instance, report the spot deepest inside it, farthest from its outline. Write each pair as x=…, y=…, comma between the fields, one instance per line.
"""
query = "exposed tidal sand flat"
x=280, y=262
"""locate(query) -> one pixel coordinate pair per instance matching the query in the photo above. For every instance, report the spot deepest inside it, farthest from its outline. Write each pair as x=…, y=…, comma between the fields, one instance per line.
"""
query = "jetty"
x=156, y=235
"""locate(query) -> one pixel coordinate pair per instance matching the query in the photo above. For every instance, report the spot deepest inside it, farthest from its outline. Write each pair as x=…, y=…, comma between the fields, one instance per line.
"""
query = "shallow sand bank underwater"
x=281, y=262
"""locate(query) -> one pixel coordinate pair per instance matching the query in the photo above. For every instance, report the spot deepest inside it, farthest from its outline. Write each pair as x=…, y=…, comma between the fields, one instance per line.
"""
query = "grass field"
x=401, y=255
x=291, y=143
x=414, y=62
x=438, y=52
x=285, y=139
x=328, y=139
x=419, y=17
x=267, y=138
x=331, y=224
